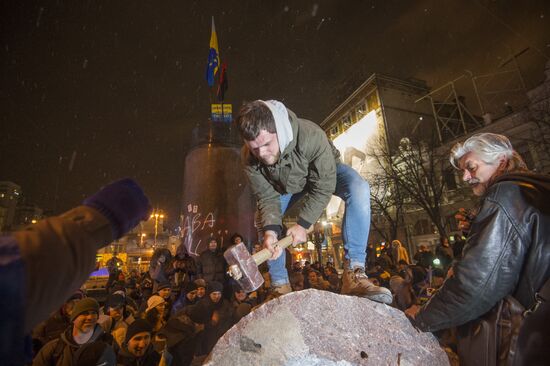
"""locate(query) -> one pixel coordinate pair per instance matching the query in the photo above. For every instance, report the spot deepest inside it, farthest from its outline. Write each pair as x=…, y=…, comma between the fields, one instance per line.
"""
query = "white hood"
x=282, y=122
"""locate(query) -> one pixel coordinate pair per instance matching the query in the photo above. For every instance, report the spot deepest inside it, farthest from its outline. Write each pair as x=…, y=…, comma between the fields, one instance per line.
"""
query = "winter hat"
x=86, y=304
x=190, y=286
x=237, y=287
x=214, y=286
x=138, y=326
x=198, y=313
x=115, y=301
x=200, y=283
x=77, y=295
x=153, y=302
x=163, y=285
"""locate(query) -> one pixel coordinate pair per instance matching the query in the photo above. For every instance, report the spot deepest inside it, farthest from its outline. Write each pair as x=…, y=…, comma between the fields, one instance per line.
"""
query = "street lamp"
x=156, y=215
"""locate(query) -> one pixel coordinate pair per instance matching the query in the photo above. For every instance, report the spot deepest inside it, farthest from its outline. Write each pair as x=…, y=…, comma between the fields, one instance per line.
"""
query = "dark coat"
x=150, y=358
x=212, y=332
x=50, y=329
x=64, y=351
x=180, y=339
x=507, y=253
x=211, y=266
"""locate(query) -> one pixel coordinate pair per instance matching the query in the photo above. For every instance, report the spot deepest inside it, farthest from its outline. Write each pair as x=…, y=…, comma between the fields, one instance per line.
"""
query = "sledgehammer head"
x=243, y=268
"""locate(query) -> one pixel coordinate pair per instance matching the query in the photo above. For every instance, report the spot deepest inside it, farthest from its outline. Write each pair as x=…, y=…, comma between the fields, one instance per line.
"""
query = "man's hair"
x=489, y=147
x=254, y=117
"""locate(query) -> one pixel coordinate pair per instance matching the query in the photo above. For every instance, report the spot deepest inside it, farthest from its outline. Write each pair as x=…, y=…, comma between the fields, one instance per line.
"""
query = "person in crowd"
x=154, y=314
x=242, y=302
x=306, y=268
x=132, y=280
x=137, y=348
x=181, y=333
x=221, y=319
x=371, y=256
x=211, y=265
x=164, y=290
x=317, y=266
x=187, y=297
x=56, y=324
x=201, y=288
x=316, y=281
x=115, y=319
x=236, y=239
x=146, y=285
x=444, y=253
x=43, y=264
x=384, y=260
x=333, y=279
x=399, y=252
x=424, y=257
x=287, y=158
x=78, y=339
x=506, y=254
x=119, y=284
x=404, y=296
x=381, y=274
x=187, y=269
x=413, y=274
x=297, y=280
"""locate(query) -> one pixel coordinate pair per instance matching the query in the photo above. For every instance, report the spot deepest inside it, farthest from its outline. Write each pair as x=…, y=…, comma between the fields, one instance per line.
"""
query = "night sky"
x=92, y=91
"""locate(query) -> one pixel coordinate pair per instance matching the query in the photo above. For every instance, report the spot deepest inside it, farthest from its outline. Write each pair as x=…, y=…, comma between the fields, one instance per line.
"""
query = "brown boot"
x=355, y=282
x=282, y=289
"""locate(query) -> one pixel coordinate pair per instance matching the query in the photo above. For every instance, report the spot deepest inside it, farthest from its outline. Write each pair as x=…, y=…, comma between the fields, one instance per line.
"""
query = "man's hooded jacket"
x=307, y=162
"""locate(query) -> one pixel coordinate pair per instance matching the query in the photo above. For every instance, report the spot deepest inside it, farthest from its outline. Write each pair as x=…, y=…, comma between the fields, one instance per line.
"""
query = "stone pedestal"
x=314, y=327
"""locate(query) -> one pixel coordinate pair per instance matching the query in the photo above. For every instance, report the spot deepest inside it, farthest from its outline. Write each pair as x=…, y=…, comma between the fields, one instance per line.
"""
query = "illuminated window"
x=360, y=111
x=346, y=122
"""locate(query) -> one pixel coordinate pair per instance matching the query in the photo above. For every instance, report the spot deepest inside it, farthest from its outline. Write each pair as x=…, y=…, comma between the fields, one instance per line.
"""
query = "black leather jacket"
x=507, y=252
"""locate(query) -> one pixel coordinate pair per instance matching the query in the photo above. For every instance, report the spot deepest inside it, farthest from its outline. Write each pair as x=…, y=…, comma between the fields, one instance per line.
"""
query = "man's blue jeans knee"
x=355, y=192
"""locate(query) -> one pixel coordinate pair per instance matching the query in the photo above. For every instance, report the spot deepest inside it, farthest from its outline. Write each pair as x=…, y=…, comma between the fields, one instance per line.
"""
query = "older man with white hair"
x=508, y=248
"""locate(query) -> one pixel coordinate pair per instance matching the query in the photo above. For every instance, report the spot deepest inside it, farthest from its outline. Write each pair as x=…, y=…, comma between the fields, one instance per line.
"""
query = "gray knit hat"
x=86, y=304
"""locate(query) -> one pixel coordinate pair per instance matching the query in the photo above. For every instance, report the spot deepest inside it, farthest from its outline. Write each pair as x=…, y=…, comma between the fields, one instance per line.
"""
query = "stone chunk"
x=314, y=327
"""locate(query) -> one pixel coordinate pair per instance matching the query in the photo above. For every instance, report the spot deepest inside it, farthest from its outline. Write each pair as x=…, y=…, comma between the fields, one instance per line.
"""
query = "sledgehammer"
x=243, y=267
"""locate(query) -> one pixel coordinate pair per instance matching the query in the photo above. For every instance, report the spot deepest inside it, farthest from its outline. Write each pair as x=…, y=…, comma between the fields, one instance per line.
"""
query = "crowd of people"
x=180, y=319
x=495, y=291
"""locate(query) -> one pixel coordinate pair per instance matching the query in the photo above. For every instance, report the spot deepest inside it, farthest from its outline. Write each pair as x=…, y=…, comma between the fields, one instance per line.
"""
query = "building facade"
x=386, y=111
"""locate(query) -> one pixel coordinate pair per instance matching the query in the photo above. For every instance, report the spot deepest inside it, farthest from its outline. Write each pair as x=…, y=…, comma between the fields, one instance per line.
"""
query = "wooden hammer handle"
x=265, y=254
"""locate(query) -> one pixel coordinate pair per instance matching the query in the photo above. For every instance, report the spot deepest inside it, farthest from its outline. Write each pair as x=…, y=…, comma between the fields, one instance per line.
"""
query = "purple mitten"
x=123, y=203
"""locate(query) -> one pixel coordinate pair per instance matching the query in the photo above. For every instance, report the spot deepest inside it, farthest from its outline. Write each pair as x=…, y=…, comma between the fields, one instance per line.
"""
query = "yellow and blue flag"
x=213, y=57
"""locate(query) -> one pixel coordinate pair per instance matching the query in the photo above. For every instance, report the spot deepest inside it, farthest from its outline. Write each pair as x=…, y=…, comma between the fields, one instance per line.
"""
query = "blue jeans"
x=355, y=192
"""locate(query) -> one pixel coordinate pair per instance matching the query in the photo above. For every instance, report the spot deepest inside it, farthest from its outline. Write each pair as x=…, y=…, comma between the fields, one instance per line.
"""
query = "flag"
x=213, y=57
x=222, y=88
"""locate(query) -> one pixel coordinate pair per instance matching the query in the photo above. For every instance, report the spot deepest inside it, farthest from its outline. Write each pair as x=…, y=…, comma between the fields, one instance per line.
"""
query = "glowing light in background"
x=355, y=145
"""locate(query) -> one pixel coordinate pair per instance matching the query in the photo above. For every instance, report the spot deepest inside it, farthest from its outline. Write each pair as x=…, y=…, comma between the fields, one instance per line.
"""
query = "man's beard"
x=269, y=163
